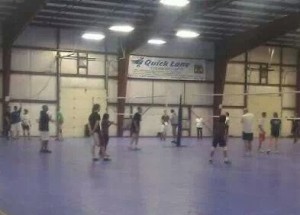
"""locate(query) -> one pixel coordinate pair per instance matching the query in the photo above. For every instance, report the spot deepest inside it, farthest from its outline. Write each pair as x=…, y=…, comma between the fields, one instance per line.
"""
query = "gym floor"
x=158, y=180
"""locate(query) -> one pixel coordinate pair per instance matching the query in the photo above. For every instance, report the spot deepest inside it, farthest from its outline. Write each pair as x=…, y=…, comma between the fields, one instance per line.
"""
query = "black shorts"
x=25, y=127
x=105, y=139
x=275, y=133
x=219, y=141
x=247, y=136
x=134, y=130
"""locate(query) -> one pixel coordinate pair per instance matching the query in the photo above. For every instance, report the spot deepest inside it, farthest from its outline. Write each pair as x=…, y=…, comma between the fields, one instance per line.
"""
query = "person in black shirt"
x=275, y=132
x=135, y=128
x=44, y=129
x=219, y=139
x=95, y=131
x=7, y=123
x=105, y=124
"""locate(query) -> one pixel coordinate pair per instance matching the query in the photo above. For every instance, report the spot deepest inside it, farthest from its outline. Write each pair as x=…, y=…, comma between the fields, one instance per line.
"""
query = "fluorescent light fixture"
x=93, y=36
x=156, y=41
x=122, y=28
x=187, y=34
x=175, y=3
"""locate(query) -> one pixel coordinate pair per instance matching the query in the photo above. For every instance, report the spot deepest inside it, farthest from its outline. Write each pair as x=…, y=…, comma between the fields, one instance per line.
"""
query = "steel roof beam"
x=14, y=24
x=240, y=43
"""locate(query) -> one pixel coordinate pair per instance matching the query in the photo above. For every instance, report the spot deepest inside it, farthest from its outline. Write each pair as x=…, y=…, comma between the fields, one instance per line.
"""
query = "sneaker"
x=106, y=158
x=227, y=162
x=95, y=159
x=210, y=161
x=48, y=151
x=269, y=151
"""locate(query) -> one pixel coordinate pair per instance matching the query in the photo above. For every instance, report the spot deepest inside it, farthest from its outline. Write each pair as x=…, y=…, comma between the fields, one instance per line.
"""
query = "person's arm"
x=112, y=123
x=89, y=127
x=20, y=109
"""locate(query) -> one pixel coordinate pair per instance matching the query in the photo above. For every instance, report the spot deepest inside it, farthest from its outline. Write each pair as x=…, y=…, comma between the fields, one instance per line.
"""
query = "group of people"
x=99, y=130
x=15, y=121
x=165, y=121
x=220, y=136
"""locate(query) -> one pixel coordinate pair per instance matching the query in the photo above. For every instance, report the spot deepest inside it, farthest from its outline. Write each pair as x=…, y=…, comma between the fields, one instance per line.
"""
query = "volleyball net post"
x=179, y=129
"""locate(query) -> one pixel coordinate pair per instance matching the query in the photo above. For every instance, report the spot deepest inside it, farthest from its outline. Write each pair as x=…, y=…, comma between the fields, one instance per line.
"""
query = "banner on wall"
x=166, y=68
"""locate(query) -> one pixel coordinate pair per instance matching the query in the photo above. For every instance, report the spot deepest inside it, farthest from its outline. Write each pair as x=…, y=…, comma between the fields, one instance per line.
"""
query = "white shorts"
x=96, y=139
x=16, y=127
x=44, y=135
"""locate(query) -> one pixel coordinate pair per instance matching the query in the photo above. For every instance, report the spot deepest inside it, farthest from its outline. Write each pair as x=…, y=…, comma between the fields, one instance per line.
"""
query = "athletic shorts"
x=96, y=138
x=25, y=127
x=219, y=142
x=105, y=140
x=134, y=130
x=275, y=133
x=44, y=135
x=16, y=127
x=247, y=136
x=262, y=136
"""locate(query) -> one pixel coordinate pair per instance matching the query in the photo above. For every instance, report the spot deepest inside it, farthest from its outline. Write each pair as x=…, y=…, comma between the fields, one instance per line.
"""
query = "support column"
x=58, y=63
x=6, y=77
x=123, y=63
x=219, y=83
x=246, y=80
x=297, y=111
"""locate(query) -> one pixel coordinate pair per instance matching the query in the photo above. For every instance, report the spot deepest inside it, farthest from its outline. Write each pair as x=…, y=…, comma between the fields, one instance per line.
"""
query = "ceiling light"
x=187, y=34
x=175, y=3
x=93, y=36
x=157, y=41
x=122, y=28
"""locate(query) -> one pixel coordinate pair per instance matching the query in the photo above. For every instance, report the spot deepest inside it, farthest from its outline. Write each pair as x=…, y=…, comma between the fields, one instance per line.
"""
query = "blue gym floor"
x=158, y=180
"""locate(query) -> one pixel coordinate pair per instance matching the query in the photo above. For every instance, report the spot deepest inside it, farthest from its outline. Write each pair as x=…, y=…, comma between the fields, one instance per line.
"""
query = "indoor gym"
x=137, y=59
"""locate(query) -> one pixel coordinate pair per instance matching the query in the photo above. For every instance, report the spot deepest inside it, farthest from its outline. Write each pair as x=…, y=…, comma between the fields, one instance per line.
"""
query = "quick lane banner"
x=166, y=68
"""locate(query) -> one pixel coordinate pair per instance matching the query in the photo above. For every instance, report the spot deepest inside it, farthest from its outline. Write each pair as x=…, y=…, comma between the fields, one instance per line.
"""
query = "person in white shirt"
x=262, y=131
x=199, y=126
x=26, y=124
x=247, y=124
x=164, y=125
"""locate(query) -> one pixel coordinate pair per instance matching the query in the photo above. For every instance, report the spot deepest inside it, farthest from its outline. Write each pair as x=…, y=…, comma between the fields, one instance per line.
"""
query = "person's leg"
x=17, y=131
x=276, y=144
x=250, y=146
x=174, y=132
x=13, y=130
x=24, y=131
x=212, y=153
x=260, y=141
x=246, y=146
x=225, y=154
x=133, y=140
x=96, y=144
x=137, y=140
x=270, y=144
x=198, y=133
x=29, y=133
x=201, y=134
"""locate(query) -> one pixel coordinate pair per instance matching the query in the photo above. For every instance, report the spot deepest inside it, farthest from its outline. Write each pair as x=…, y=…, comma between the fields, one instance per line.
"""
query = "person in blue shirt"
x=16, y=121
